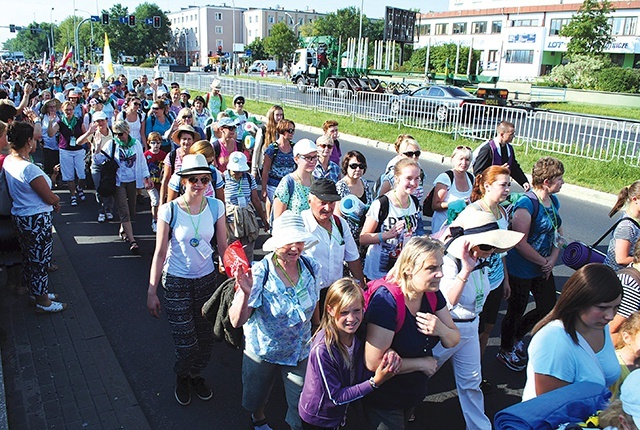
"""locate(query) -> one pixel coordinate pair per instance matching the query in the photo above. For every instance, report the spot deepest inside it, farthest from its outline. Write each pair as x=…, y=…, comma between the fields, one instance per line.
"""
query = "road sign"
x=248, y=52
x=95, y=18
x=148, y=21
x=124, y=20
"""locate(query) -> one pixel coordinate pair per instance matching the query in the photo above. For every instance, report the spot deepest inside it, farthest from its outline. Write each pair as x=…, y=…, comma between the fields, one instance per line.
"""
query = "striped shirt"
x=630, y=296
x=242, y=188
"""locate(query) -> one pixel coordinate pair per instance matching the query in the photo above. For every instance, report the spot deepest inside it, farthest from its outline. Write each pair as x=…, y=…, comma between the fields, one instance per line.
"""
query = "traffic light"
x=12, y=28
x=132, y=20
x=220, y=50
x=34, y=30
x=157, y=22
x=105, y=19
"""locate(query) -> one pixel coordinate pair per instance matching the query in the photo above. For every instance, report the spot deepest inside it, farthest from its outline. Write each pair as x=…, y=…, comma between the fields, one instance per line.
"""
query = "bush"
x=579, y=73
x=618, y=80
x=149, y=62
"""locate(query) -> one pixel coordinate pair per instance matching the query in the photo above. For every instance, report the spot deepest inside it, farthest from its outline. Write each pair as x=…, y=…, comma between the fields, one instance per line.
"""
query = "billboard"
x=399, y=25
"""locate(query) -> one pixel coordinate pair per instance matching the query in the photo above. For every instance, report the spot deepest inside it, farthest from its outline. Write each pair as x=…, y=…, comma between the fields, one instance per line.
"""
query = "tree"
x=282, y=42
x=589, y=29
x=440, y=56
x=343, y=23
x=258, y=52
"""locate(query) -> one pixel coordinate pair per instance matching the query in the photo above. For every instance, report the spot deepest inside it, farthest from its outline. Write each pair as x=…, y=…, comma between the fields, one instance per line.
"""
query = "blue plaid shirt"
x=332, y=172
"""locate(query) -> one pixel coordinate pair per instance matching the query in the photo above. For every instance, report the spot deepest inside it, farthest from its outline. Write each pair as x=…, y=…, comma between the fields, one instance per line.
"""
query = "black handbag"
x=108, y=170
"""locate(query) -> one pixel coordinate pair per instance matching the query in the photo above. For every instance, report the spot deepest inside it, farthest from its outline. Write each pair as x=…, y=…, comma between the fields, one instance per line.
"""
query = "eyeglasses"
x=204, y=180
x=486, y=248
x=325, y=145
x=187, y=116
x=355, y=166
x=230, y=128
x=239, y=102
x=290, y=130
x=412, y=154
x=119, y=134
x=463, y=147
x=309, y=157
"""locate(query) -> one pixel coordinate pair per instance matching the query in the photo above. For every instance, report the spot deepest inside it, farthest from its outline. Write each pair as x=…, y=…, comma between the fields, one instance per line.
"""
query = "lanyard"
x=293, y=284
x=330, y=232
x=195, y=227
x=552, y=216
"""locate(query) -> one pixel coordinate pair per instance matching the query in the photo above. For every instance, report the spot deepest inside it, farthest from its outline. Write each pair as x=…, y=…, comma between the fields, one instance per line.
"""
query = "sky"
x=40, y=10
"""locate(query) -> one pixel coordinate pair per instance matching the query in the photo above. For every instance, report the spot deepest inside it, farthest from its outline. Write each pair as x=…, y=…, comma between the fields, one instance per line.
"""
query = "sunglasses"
x=290, y=130
x=230, y=128
x=204, y=180
x=309, y=157
x=239, y=102
x=412, y=154
x=355, y=166
x=463, y=147
x=119, y=134
x=155, y=108
x=187, y=117
x=324, y=145
x=136, y=104
x=486, y=248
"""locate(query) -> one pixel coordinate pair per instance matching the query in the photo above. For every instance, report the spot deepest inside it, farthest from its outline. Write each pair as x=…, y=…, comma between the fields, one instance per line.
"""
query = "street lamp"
x=233, y=38
x=52, y=52
x=91, y=25
x=292, y=22
x=360, y=31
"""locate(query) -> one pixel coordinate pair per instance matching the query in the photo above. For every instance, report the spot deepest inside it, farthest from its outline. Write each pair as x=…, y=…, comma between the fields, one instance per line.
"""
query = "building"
x=522, y=42
x=201, y=30
x=258, y=22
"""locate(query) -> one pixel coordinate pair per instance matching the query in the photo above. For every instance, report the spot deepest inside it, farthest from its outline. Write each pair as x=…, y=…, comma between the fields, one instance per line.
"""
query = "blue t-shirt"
x=541, y=238
x=281, y=165
x=406, y=390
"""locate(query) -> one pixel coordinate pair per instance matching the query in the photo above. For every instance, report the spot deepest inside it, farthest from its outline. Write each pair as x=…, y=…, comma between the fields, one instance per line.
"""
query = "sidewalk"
x=60, y=371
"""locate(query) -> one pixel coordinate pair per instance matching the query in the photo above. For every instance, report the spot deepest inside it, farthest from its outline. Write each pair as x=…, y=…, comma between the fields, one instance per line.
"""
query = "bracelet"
x=380, y=237
x=373, y=383
x=461, y=278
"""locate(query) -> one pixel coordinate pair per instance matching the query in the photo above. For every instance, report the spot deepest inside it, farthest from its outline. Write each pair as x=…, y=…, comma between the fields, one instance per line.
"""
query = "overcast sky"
x=40, y=10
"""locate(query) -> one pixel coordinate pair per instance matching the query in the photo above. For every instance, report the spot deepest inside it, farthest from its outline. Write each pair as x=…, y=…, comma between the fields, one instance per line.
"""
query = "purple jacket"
x=328, y=388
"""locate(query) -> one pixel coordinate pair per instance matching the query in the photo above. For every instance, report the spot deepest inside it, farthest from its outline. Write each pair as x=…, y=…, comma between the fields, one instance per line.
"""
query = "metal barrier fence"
x=572, y=135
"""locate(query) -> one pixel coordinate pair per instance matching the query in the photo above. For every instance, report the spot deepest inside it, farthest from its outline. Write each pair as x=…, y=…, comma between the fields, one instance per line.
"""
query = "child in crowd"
x=155, y=157
x=336, y=374
x=627, y=349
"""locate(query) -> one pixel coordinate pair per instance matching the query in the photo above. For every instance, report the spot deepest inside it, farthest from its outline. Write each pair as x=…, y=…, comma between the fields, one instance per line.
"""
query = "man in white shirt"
x=335, y=241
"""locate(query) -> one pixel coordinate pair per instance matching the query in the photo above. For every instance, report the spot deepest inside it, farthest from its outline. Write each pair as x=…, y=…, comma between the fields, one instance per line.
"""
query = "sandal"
x=52, y=268
x=32, y=298
x=53, y=308
x=134, y=248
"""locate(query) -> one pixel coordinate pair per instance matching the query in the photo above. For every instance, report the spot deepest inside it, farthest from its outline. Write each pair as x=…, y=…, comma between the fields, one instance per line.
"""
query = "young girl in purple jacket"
x=336, y=374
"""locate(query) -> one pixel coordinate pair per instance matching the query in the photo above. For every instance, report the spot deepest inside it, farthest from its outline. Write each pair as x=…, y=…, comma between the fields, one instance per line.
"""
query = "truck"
x=169, y=64
x=316, y=64
x=257, y=65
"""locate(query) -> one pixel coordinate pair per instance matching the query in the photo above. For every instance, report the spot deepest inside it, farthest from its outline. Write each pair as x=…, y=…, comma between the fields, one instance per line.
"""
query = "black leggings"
x=514, y=325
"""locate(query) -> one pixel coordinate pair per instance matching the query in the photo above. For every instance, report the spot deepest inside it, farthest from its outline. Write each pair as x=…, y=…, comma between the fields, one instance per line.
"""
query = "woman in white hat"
x=242, y=203
x=292, y=192
x=465, y=284
x=188, y=230
x=275, y=303
x=214, y=100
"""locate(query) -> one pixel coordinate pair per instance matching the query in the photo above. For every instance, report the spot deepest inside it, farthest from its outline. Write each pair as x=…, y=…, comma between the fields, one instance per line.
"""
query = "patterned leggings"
x=36, y=243
x=192, y=333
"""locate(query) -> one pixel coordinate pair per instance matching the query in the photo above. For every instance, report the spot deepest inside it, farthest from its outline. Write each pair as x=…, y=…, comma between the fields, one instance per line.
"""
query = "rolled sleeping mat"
x=578, y=254
x=352, y=207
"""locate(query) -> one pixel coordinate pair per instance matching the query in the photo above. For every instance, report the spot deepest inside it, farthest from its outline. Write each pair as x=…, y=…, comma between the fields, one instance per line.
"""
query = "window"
x=218, y=16
x=435, y=92
x=496, y=27
x=249, y=33
x=479, y=27
x=623, y=26
x=424, y=29
x=521, y=56
x=441, y=29
x=459, y=28
x=219, y=43
x=218, y=29
x=281, y=18
x=525, y=23
x=270, y=19
x=556, y=25
x=617, y=59
x=492, y=56
x=250, y=20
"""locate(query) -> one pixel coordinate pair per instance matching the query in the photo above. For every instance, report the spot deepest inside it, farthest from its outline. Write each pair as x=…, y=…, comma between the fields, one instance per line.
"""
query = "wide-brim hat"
x=288, y=228
x=51, y=101
x=194, y=164
x=480, y=228
x=183, y=128
x=216, y=85
x=237, y=162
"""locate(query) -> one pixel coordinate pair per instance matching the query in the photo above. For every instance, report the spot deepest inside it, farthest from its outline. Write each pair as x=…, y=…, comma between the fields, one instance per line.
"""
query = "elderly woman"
x=475, y=236
x=69, y=128
x=275, y=306
x=531, y=263
x=572, y=343
x=407, y=313
x=33, y=202
x=132, y=173
x=325, y=168
x=278, y=160
x=187, y=228
x=292, y=192
x=452, y=185
x=184, y=117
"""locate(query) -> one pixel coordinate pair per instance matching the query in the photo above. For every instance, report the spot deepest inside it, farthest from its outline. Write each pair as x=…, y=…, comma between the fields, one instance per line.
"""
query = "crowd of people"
x=355, y=306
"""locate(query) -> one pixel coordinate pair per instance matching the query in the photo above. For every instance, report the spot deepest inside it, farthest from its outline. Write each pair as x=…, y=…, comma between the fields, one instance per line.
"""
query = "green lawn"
x=600, y=110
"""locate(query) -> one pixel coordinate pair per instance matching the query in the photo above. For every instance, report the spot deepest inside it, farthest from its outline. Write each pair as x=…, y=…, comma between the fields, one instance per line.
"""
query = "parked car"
x=440, y=101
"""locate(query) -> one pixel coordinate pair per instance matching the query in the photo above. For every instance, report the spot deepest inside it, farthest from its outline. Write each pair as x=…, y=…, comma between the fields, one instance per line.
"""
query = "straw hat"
x=480, y=228
x=216, y=85
x=176, y=134
x=288, y=228
x=51, y=101
x=194, y=164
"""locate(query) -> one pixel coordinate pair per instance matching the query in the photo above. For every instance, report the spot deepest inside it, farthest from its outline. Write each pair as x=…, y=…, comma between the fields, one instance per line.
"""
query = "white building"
x=522, y=42
x=200, y=30
x=258, y=22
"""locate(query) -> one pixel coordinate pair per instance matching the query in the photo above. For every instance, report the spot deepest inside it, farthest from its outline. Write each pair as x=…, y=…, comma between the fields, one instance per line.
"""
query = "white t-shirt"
x=381, y=257
x=184, y=260
x=19, y=174
x=50, y=142
x=440, y=217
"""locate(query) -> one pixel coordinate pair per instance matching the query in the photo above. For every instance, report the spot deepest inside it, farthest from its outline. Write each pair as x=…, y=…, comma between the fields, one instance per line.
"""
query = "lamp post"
x=233, y=38
x=360, y=30
x=91, y=25
x=292, y=22
x=52, y=52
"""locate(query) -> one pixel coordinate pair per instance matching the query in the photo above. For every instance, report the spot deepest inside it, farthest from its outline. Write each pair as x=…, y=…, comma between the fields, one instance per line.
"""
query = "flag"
x=107, y=62
x=67, y=57
x=97, y=79
x=44, y=60
x=63, y=55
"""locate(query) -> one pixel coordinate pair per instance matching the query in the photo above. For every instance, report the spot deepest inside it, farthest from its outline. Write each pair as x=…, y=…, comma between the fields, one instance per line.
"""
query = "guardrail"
x=571, y=135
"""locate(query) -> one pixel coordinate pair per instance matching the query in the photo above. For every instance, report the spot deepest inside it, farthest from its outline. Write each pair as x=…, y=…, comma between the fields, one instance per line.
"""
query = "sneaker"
x=74, y=201
x=51, y=309
x=201, y=389
x=183, y=394
x=486, y=387
x=81, y=195
x=520, y=350
x=102, y=218
x=109, y=216
x=511, y=360
x=154, y=226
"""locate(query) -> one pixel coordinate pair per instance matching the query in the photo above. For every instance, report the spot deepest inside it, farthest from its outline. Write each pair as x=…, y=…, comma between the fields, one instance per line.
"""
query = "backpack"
x=396, y=292
x=427, y=209
x=534, y=202
x=384, y=209
x=216, y=147
x=108, y=171
x=6, y=202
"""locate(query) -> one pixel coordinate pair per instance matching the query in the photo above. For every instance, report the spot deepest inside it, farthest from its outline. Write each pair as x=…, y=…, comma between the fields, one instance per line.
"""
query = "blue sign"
x=248, y=52
x=148, y=21
x=522, y=38
x=95, y=18
x=124, y=20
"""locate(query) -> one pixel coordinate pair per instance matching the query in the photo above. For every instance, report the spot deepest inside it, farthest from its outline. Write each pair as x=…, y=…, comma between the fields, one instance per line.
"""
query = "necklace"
x=300, y=179
x=399, y=202
x=195, y=241
x=278, y=265
x=27, y=159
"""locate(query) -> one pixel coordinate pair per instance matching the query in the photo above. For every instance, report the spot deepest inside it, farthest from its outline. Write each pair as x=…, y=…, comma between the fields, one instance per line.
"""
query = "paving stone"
x=102, y=403
x=52, y=409
x=70, y=412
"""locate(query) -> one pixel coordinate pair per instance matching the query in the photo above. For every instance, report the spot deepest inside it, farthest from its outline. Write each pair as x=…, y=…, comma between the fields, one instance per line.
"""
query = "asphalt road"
x=116, y=282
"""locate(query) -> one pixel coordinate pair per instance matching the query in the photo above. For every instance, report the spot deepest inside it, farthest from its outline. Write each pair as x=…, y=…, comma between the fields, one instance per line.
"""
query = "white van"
x=257, y=66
